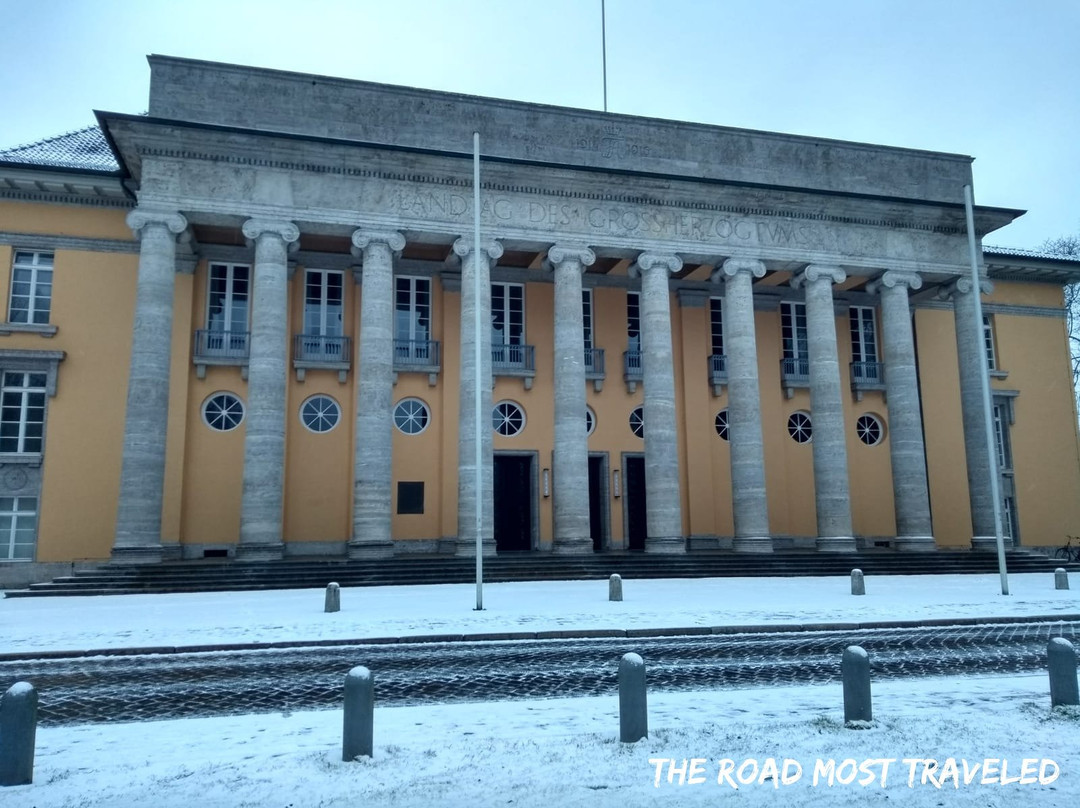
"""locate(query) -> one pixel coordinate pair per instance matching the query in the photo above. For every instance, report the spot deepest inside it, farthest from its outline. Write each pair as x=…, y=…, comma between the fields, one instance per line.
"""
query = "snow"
x=565, y=752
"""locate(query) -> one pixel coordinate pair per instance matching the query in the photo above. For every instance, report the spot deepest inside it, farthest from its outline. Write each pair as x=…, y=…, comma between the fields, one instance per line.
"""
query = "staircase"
x=213, y=575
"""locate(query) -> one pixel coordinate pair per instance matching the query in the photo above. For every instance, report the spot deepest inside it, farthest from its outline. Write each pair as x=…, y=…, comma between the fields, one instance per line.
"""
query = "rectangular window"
x=633, y=321
x=988, y=341
x=227, y=300
x=18, y=528
x=410, y=498
x=323, y=302
x=507, y=314
x=863, y=334
x=1001, y=438
x=716, y=325
x=793, y=331
x=22, y=413
x=586, y=317
x=31, y=288
x=412, y=309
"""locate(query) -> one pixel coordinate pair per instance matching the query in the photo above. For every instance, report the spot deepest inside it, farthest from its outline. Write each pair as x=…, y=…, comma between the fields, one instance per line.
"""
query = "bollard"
x=633, y=709
x=855, y=669
x=333, y=598
x=614, y=588
x=359, y=714
x=1061, y=578
x=18, y=726
x=858, y=585
x=1061, y=659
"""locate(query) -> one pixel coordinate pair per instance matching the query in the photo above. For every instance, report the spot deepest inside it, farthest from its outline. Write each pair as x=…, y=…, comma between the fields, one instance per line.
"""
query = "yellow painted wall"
x=66, y=220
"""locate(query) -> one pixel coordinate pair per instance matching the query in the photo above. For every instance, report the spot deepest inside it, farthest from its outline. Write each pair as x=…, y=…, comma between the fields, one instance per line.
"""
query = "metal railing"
x=632, y=365
x=416, y=353
x=221, y=344
x=717, y=368
x=513, y=358
x=868, y=375
x=594, y=362
x=321, y=348
x=795, y=372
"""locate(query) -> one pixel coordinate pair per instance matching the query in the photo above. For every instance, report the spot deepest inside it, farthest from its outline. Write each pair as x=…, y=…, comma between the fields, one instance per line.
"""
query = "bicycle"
x=1069, y=552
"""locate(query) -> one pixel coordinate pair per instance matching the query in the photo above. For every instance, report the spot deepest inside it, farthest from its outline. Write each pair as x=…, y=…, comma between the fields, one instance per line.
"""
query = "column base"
x=915, y=544
x=466, y=548
x=752, y=544
x=370, y=549
x=668, y=545
x=146, y=554
x=836, y=544
x=262, y=551
x=988, y=544
x=576, y=546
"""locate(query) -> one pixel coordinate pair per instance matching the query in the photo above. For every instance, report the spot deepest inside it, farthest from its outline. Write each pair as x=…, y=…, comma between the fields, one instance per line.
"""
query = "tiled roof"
x=1019, y=253
x=83, y=149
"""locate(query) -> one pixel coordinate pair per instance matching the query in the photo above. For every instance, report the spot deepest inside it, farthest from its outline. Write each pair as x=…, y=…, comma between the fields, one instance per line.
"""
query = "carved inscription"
x=610, y=142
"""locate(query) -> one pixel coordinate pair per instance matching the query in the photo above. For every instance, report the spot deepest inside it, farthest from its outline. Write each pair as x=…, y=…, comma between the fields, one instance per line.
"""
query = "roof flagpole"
x=603, y=46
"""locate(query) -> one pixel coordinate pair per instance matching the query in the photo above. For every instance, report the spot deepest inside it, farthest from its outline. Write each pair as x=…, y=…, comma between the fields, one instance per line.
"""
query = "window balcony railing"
x=514, y=360
x=322, y=352
x=633, y=371
x=214, y=347
x=718, y=374
x=417, y=356
x=794, y=372
x=594, y=367
x=867, y=376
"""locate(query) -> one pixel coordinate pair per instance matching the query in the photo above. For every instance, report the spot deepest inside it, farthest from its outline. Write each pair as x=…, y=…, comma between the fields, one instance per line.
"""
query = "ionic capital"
x=561, y=253
x=649, y=260
x=286, y=231
x=141, y=217
x=391, y=238
x=733, y=266
x=963, y=286
x=493, y=249
x=819, y=272
x=893, y=278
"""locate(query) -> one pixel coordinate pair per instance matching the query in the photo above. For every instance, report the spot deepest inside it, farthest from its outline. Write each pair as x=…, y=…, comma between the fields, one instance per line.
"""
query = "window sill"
x=11, y=459
x=999, y=374
x=7, y=329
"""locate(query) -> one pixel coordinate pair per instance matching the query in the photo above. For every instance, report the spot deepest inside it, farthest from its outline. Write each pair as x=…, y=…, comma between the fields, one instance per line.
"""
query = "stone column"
x=663, y=520
x=749, y=503
x=268, y=352
x=475, y=272
x=832, y=495
x=971, y=351
x=374, y=396
x=570, y=466
x=142, y=475
x=914, y=530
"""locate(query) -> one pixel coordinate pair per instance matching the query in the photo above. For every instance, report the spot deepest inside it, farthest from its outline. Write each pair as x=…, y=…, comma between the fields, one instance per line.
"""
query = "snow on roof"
x=1019, y=253
x=84, y=149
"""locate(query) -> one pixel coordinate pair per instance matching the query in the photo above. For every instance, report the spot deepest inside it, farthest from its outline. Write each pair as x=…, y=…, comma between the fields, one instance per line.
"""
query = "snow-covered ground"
x=117, y=621
x=564, y=752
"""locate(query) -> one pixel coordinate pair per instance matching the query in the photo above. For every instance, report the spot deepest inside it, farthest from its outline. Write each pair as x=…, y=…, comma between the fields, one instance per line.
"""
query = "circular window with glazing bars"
x=721, y=424
x=799, y=427
x=223, y=412
x=590, y=421
x=637, y=422
x=507, y=418
x=870, y=429
x=320, y=413
x=411, y=416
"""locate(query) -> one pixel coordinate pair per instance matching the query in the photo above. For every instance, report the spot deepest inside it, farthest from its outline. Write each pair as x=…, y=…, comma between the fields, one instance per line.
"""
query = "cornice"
x=46, y=241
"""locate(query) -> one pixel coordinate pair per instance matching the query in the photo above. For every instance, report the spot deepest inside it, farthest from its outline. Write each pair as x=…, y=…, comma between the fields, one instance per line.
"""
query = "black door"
x=513, y=504
x=635, y=502
x=596, y=503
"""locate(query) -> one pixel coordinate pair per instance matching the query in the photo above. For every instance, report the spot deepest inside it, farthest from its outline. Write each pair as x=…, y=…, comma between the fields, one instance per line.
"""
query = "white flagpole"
x=478, y=413
x=984, y=377
x=603, y=46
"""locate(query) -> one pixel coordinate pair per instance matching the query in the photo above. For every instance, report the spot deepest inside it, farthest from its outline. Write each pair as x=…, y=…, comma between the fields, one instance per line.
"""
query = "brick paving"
x=144, y=687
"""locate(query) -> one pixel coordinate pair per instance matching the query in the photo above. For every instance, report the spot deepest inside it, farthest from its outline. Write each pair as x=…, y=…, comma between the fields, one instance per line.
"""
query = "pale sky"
x=995, y=79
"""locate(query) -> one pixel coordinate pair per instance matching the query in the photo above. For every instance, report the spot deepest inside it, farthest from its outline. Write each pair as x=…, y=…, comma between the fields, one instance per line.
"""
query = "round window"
x=411, y=416
x=590, y=421
x=508, y=419
x=798, y=426
x=320, y=413
x=870, y=429
x=721, y=425
x=223, y=412
x=637, y=422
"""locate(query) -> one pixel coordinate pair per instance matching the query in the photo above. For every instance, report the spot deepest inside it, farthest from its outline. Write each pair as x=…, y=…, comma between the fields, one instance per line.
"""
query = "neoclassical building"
x=244, y=324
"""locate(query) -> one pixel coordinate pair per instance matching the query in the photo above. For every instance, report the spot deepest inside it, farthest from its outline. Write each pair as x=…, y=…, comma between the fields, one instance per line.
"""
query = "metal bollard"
x=633, y=708
x=359, y=714
x=855, y=669
x=858, y=585
x=333, y=598
x=614, y=588
x=1061, y=660
x=1061, y=578
x=18, y=726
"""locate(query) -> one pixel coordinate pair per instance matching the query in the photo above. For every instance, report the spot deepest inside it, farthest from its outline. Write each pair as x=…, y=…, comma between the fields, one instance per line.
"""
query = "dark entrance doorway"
x=635, y=502
x=597, y=501
x=513, y=503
